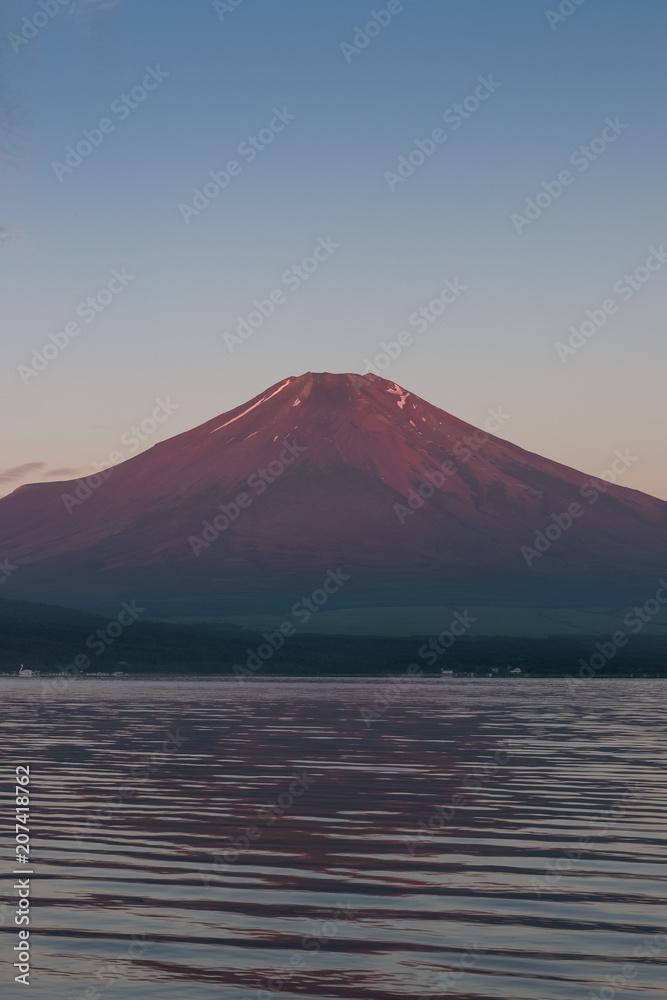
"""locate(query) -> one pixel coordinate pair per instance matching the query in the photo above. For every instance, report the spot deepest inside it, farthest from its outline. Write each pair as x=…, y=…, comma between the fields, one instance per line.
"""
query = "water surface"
x=208, y=839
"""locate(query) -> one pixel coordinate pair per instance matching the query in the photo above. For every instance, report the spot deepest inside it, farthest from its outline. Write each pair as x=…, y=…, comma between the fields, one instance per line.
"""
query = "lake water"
x=478, y=839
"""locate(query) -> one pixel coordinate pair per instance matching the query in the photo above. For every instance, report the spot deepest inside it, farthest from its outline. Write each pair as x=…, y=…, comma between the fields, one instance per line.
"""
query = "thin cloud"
x=21, y=472
x=63, y=473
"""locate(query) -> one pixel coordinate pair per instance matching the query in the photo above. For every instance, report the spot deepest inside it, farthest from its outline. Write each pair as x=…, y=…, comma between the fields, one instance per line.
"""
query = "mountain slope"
x=323, y=471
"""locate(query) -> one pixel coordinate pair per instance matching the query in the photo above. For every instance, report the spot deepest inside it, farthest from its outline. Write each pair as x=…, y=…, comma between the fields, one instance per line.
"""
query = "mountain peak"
x=338, y=380
x=340, y=388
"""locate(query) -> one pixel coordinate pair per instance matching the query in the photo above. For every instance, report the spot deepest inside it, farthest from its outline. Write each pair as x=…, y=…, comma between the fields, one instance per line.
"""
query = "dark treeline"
x=50, y=639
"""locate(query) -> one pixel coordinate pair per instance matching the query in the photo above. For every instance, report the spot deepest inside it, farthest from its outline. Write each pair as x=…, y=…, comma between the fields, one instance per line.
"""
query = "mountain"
x=331, y=477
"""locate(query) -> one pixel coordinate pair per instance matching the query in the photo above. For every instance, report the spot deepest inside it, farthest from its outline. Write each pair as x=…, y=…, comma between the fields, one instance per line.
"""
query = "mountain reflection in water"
x=205, y=839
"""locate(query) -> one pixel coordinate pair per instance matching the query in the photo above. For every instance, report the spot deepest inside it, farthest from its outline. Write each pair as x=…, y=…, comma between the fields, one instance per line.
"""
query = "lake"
x=211, y=840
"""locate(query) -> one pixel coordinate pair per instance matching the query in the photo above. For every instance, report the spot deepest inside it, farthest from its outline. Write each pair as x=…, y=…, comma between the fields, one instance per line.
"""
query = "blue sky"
x=329, y=175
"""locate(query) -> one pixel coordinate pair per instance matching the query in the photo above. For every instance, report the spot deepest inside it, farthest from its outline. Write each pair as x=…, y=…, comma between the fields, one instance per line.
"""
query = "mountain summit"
x=323, y=471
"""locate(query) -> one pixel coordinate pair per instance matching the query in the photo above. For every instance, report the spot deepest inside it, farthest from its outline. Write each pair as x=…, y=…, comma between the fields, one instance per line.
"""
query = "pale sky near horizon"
x=316, y=126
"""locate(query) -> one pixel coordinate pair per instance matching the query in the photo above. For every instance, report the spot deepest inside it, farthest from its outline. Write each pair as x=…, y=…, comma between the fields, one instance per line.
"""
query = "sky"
x=499, y=167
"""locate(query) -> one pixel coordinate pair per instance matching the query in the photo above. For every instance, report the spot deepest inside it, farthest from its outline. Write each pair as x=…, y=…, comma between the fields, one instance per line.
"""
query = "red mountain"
x=322, y=471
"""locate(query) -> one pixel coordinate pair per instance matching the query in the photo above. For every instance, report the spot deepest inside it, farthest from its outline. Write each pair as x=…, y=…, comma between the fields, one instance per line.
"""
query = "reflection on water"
x=206, y=839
